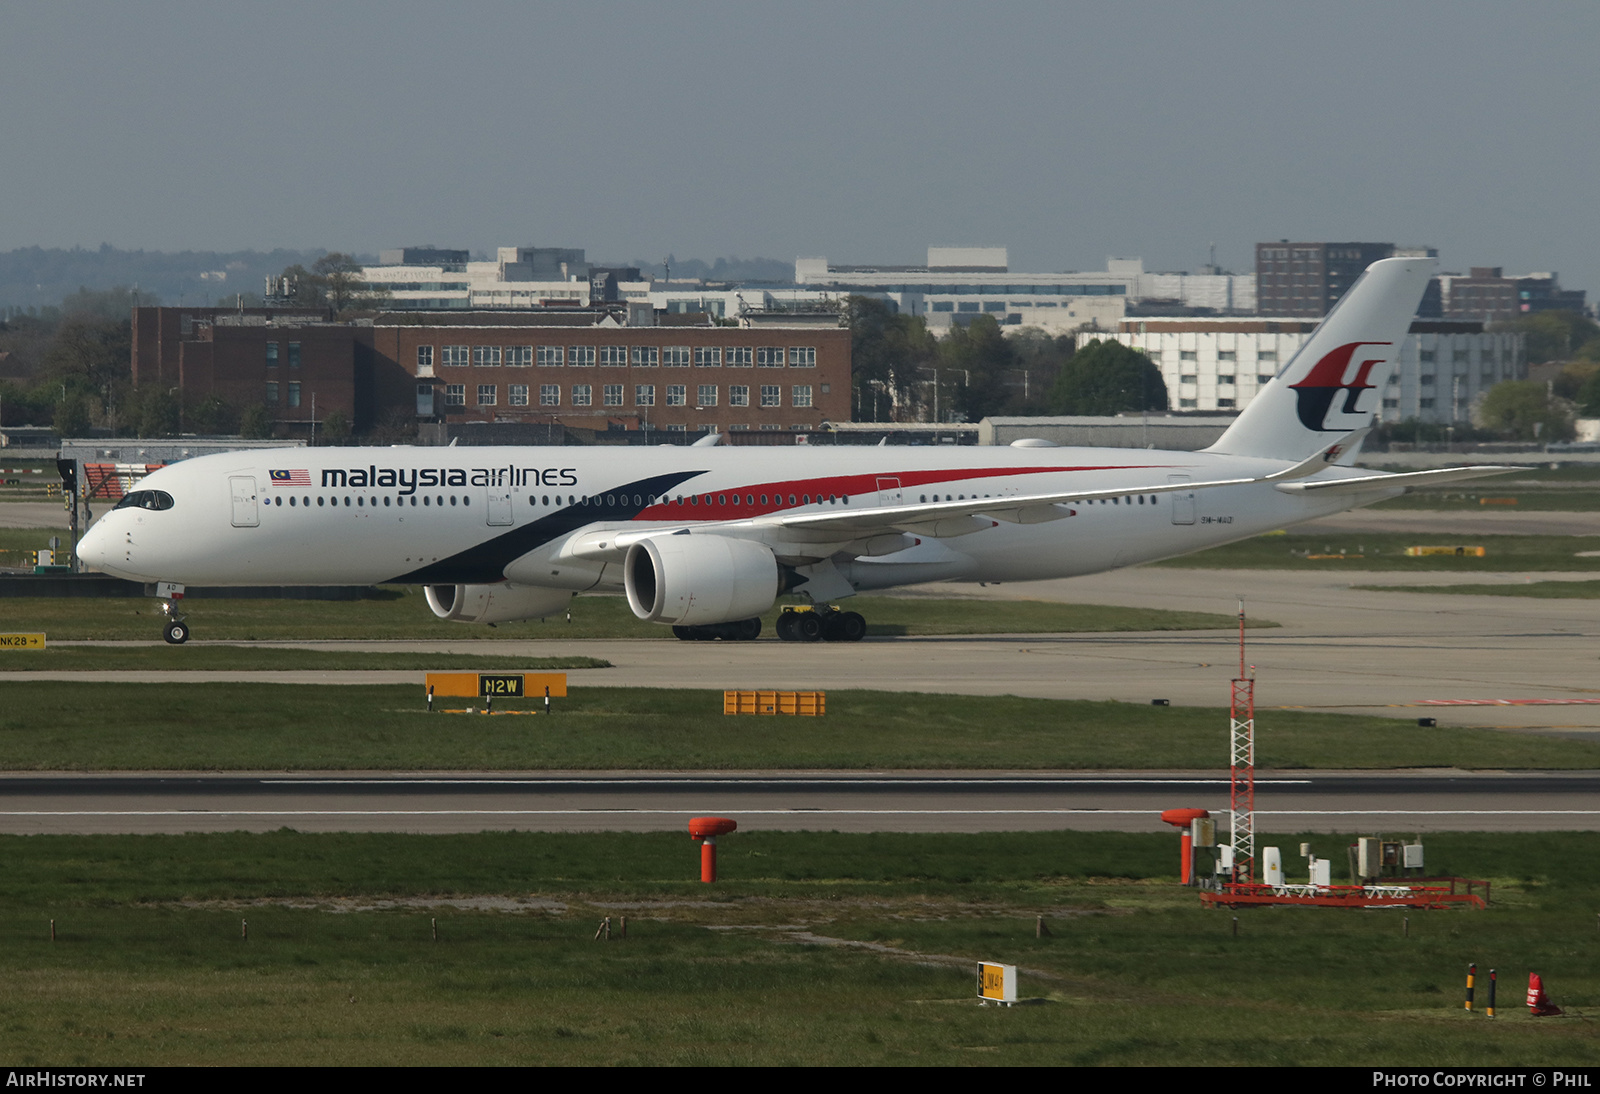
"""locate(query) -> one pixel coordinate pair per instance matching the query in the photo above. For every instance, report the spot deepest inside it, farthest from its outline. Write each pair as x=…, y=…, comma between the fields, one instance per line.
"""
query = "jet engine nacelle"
x=690, y=580
x=502, y=603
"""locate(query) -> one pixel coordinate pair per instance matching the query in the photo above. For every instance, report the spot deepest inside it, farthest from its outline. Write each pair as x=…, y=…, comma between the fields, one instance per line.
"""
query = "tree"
x=335, y=428
x=1106, y=377
x=334, y=281
x=157, y=413
x=975, y=363
x=886, y=351
x=1524, y=410
x=1588, y=396
x=256, y=423
x=1555, y=335
x=72, y=415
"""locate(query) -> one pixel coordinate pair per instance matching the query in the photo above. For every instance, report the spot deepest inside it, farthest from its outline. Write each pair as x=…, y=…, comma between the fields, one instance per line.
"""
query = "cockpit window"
x=146, y=499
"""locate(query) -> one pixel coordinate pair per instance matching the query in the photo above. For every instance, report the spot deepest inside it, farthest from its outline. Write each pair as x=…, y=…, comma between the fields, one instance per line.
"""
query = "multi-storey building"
x=579, y=368
x=1486, y=293
x=1306, y=279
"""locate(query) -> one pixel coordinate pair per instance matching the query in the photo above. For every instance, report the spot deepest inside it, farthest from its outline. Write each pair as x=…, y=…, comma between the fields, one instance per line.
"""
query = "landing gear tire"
x=852, y=627
x=806, y=627
x=176, y=632
x=746, y=630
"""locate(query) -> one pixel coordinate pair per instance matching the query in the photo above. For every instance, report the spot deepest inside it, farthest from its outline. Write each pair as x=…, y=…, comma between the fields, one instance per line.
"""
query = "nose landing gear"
x=174, y=631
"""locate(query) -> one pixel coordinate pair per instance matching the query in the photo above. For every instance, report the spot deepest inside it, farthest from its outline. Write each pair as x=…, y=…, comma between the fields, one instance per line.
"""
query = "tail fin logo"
x=1321, y=386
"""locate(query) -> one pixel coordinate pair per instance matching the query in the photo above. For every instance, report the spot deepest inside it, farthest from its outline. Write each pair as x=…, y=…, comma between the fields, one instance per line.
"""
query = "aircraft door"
x=1182, y=502
x=243, y=490
x=499, y=507
x=888, y=491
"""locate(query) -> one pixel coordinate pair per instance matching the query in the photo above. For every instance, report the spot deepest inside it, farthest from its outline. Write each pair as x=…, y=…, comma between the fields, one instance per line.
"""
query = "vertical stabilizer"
x=1335, y=383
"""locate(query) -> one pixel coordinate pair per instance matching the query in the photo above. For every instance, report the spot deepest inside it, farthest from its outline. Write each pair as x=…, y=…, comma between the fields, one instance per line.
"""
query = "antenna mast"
x=1242, y=766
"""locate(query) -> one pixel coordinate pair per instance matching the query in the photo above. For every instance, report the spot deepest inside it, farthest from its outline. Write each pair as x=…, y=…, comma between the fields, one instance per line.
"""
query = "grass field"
x=1386, y=551
x=49, y=726
x=1543, y=590
x=814, y=948
x=402, y=613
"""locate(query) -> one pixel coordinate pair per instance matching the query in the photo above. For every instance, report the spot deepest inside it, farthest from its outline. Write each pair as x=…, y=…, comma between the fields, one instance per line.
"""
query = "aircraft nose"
x=94, y=549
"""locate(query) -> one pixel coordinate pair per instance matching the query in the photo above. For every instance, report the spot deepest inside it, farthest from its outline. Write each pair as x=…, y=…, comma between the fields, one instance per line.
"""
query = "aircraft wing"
x=939, y=519
x=1367, y=483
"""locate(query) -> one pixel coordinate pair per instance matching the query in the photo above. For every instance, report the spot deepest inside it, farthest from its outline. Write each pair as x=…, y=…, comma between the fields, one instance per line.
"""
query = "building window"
x=294, y=393
x=708, y=356
x=1267, y=355
x=646, y=356
x=1187, y=378
x=486, y=356
x=1225, y=378
x=517, y=395
x=1426, y=379
x=644, y=395
x=1391, y=404
x=424, y=360
x=1425, y=355
x=769, y=357
x=614, y=355
x=613, y=395
x=486, y=395
x=801, y=395
x=552, y=356
x=802, y=356
x=675, y=357
x=771, y=395
x=739, y=395
x=272, y=391
x=1459, y=356
x=272, y=355
x=582, y=395
x=1263, y=378
x=519, y=356
x=456, y=357
x=294, y=354
x=740, y=357
x=1186, y=355
x=676, y=395
x=739, y=427
x=771, y=426
x=580, y=356
x=455, y=395
x=706, y=395
x=1187, y=404
x=1226, y=355
x=1224, y=404
x=944, y=305
x=1425, y=404
x=549, y=394
x=425, y=400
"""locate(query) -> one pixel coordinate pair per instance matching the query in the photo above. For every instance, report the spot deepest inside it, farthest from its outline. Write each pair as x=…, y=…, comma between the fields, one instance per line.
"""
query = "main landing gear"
x=823, y=623
x=174, y=630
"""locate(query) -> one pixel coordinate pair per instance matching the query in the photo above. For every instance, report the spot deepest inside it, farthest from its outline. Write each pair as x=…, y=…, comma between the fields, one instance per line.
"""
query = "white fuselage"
x=360, y=516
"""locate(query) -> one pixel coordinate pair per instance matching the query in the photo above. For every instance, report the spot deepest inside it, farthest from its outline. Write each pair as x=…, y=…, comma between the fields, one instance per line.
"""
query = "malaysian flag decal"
x=290, y=478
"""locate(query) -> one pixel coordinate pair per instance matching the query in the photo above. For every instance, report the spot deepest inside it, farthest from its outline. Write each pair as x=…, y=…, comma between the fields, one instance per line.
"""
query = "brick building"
x=1306, y=279
x=582, y=368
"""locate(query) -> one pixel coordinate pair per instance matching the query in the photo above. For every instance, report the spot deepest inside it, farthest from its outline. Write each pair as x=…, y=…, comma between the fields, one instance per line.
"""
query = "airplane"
x=707, y=539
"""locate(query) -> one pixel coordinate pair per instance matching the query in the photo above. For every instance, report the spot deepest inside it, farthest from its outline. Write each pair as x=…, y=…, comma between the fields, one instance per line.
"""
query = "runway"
x=1286, y=802
x=1339, y=649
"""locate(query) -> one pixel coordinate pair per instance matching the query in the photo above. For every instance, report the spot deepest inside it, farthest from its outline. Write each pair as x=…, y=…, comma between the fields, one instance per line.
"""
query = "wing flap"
x=1366, y=484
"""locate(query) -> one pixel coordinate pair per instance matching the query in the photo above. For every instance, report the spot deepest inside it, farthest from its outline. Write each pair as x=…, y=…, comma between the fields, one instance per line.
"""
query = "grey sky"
x=862, y=131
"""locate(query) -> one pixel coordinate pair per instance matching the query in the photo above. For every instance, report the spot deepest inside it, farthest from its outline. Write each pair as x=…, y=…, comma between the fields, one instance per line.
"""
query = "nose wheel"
x=175, y=632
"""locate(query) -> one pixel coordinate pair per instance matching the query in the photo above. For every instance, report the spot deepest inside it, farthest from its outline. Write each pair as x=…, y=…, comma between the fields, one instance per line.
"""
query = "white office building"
x=1219, y=364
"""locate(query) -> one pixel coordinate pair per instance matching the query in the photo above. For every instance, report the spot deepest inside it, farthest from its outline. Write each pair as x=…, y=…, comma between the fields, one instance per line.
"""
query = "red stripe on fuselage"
x=734, y=507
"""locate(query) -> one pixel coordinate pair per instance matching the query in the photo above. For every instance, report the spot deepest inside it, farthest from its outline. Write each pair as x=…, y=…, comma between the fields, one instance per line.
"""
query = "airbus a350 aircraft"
x=707, y=539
